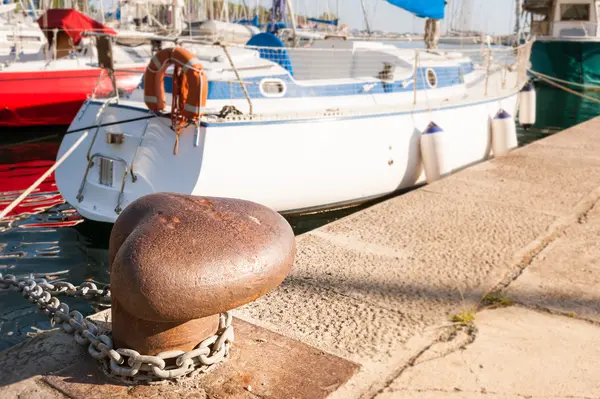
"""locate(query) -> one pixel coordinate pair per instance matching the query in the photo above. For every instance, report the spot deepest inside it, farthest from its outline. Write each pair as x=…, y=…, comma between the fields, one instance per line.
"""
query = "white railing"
x=483, y=71
x=396, y=67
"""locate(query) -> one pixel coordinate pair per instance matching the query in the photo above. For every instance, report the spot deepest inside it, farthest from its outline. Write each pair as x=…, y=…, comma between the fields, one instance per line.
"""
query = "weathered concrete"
x=517, y=353
x=262, y=364
x=424, y=255
x=565, y=277
x=375, y=287
x=22, y=365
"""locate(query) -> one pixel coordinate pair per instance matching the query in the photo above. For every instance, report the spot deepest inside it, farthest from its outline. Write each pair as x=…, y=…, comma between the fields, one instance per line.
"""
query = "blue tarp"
x=323, y=21
x=253, y=21
x=277, y=51
x=270, y=27
x=117, y=15
x=422, y=8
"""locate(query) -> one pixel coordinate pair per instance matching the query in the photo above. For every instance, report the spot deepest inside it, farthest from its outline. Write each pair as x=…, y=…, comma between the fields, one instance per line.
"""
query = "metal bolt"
x=177, y=261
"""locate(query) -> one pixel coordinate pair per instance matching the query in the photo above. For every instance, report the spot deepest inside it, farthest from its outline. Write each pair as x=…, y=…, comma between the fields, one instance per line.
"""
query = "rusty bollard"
x=177, y=261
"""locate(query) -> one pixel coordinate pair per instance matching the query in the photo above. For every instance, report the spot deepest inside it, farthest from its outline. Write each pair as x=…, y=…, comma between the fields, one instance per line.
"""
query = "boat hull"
x=569, y=60
x=54, y=97
x=291, y=166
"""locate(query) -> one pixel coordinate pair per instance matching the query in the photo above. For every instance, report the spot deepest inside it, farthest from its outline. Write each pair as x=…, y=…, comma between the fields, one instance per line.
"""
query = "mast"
x=337, y=13
x=101, y=5
x=225, y=12
x=364, y=10
x=293, y=20
x=176, y=15
x=257, y=11
x=518, y=18
x=210, y=9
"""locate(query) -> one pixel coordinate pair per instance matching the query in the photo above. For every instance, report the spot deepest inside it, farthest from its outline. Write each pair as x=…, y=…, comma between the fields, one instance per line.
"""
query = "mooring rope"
x=553, y=83
x=43, y=177
x=39, y=181
x=582, y=85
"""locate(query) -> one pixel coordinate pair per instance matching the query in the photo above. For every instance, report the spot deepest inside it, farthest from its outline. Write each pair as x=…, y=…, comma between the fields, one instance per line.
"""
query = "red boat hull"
x=54, y=97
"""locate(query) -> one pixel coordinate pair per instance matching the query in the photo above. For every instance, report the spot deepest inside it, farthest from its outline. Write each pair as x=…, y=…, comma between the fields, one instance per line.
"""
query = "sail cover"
x=72, y=22
x=333, y=22
x=422, y=8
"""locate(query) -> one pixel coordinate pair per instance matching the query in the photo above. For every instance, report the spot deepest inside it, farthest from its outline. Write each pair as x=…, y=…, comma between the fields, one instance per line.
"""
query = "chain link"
x=126, y=365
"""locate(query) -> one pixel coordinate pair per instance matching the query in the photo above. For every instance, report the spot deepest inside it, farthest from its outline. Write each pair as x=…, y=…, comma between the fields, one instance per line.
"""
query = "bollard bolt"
x=177, y=261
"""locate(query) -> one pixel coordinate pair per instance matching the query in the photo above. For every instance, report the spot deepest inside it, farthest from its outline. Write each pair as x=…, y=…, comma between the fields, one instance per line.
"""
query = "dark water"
x=46, y=237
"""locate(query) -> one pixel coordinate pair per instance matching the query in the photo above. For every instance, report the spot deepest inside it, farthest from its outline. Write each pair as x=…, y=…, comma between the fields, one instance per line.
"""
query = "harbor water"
x=48, y=238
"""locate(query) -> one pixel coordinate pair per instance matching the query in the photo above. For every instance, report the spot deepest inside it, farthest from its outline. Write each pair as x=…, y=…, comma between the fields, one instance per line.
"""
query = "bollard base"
x=261, y=364
x=151, y=337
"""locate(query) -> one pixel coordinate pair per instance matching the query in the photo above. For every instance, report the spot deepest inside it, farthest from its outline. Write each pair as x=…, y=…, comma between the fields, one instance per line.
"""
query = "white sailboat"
x=296, y=129
x=19, y=34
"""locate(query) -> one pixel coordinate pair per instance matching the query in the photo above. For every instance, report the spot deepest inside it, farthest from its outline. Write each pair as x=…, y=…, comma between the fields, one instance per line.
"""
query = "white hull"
x=22, y=40
x=337, y=130
x=287, y=166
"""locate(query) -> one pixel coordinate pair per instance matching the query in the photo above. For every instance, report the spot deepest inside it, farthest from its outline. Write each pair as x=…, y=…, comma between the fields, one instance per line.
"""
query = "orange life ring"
x=191, y=91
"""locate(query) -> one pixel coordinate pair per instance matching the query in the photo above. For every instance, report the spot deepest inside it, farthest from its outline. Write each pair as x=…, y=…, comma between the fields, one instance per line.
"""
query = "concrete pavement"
x=379, y=287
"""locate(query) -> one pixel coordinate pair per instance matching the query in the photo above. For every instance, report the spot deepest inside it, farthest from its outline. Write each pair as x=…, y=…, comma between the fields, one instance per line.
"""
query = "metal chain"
x=126, y=365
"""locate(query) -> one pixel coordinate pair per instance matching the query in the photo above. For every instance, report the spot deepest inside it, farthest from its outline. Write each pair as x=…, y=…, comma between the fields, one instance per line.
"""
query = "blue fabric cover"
x=422, y=8
x=277, y=51
x=324, y=21
x=253, y=21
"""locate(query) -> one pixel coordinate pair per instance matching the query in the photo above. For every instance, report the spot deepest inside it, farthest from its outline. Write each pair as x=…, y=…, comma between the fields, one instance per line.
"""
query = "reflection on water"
x=46, y=237
x=39, y=236
x=557, y=109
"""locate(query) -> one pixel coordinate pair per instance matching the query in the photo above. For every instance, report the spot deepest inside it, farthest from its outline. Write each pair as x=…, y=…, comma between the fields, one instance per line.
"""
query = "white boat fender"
x=504, y=133
x=433, y=147
x=527, y=107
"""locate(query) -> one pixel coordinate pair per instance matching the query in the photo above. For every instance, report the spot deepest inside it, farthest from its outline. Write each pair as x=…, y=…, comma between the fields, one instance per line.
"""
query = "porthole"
x=431, y=78
x=273, y=88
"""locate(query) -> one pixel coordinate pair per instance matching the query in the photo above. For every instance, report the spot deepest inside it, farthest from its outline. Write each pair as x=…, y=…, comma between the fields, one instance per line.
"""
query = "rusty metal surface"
x=152, y=337
x=262, y=364
x=176, y=258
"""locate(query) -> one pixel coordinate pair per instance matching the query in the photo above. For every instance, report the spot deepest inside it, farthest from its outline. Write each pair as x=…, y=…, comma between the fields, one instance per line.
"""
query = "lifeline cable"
x=141, y=118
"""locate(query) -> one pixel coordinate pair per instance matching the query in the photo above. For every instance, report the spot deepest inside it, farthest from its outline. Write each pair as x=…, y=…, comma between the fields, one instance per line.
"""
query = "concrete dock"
x=484, y=284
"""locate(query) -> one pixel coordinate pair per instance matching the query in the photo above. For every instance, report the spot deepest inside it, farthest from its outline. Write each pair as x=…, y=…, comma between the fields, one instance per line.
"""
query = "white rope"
x=596, y=100
x=43, y=177
x=585, y=86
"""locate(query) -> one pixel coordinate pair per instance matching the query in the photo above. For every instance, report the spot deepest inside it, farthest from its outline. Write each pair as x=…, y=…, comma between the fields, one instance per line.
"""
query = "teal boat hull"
x=572, y=61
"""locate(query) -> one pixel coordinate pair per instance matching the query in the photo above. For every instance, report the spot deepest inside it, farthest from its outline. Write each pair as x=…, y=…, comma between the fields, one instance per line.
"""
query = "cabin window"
x=575, y=12
x=273, y=88
x=431, y=78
